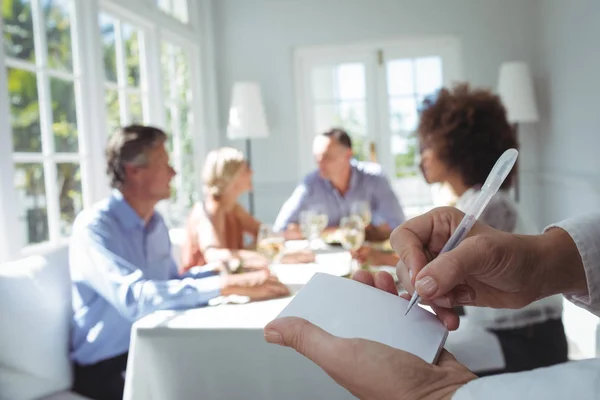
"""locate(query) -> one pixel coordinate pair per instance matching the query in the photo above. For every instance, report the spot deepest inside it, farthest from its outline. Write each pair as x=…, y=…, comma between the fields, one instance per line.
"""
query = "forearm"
x=148, y=296
x=249, y=258
x=561, y=264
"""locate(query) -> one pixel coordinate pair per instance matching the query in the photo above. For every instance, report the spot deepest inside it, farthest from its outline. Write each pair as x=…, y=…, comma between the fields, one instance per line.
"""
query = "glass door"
x=408, y=73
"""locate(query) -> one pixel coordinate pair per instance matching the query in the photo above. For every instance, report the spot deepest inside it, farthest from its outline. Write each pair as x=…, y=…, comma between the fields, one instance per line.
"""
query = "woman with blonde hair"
x=216, y=227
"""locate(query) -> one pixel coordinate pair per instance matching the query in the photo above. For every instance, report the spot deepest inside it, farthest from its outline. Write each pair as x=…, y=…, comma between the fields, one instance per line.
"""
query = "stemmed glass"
x=312, y=224
x=363, y=210
x=352, y=236
x=269, y=243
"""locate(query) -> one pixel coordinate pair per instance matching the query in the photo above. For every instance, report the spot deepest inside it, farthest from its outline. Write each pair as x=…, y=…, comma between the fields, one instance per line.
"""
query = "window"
x=176, y=8
x=339, y=100
x=57, y=72
x=178, y=99
x=40, y=68
x=122, y=77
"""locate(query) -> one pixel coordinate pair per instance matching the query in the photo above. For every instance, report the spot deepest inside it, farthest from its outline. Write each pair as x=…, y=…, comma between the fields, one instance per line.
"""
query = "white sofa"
x=35, y=318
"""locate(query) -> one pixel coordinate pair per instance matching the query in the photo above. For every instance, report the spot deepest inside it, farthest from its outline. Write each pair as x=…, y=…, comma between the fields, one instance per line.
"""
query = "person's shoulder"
x=98, y=214
x=311, y=179
x=368, y=168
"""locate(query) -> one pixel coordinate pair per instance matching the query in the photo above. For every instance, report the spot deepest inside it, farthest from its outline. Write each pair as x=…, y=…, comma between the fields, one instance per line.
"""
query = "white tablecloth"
x=220, y=353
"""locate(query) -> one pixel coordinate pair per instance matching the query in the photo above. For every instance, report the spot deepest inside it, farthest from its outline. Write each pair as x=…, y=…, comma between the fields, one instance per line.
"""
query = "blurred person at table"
x=339, y=182
x=121, y=264
x=462, y=133
x=216, y=227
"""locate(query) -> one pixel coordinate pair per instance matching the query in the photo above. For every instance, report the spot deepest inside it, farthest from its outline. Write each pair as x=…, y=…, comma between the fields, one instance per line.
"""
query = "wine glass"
x=312, y=224
x=363, y=210
x=352, y=236
x=269, y=243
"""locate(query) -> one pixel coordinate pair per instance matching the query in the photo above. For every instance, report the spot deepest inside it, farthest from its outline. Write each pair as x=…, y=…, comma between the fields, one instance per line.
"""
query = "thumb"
x=450, y=269
x=304, y=337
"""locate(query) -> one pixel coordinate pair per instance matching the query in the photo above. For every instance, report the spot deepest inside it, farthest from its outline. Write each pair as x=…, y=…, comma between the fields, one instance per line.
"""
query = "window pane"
x=29, y=183
x=135, y=108
x=400, y=77
x=182, y=75
x=107, y=33
x=64, y=115
x=166, y=55
x=18, y=29
x=180, y=10
x=339, y=82
x=188, y=174
x=353, y=117
x=185, y=125
x=70, y=200
x=113, y=115
x=164, y=5
x=350, y=116
x=326, y=116
x=176, y=73
x=58, y=33
x=403, y=114
x=429, y=75
x=404, y=150
x=351, y=81
x=24, y=107
x=169, y=130
x=322, y=83
x=132, y=55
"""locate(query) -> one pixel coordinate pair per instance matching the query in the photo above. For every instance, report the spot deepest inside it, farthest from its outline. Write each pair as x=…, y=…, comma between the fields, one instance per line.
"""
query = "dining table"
x=219, y=351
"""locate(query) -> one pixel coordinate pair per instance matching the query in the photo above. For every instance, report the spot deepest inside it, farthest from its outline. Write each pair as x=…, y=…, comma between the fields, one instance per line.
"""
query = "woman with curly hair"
x=462, y=132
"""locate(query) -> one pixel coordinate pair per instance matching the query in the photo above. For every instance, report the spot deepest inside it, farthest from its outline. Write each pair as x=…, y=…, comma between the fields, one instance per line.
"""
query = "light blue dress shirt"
x=367, y=183
x=122, y=269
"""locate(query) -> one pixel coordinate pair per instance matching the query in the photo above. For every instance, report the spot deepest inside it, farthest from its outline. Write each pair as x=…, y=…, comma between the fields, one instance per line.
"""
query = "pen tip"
x=407, y=310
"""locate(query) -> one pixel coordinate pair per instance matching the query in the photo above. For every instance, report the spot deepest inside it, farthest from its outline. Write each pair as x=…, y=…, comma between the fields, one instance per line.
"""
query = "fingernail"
x=464, y=297
x=426, y=287
x=410, y=275
x=274, y=337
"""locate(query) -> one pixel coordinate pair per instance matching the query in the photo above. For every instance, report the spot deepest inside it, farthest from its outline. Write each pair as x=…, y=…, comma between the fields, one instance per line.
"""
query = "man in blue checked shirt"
x=122, y=268
x=339, y=182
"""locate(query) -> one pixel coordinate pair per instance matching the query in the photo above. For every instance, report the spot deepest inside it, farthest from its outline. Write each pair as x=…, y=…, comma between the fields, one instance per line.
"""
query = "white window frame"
x=89, y=82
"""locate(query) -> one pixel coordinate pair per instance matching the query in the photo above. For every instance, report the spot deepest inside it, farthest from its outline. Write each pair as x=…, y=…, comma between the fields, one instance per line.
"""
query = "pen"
x=491, y=186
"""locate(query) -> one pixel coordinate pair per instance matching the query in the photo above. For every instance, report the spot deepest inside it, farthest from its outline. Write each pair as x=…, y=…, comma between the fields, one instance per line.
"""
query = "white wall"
x=255, y=39
x=569, y=88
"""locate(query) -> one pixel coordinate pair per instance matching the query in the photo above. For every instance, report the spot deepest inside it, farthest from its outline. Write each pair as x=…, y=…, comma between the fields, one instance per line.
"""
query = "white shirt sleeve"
x=580, y=380
x=575, y=380
x=585, y=232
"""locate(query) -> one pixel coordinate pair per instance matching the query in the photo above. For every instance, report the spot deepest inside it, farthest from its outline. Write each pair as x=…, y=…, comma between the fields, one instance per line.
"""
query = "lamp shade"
x=515, y=88
x=247, y=118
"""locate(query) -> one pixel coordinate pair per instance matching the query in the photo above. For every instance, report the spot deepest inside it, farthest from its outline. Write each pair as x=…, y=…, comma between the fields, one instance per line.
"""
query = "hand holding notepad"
x=344, y=314
x=350, y=309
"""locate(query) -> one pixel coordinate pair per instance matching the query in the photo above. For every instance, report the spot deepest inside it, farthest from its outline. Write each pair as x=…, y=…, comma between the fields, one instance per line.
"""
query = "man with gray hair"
x=122, y=268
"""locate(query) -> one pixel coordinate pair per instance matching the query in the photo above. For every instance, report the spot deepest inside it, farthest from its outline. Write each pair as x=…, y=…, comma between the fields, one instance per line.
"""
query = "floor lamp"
x=247, y=120
x=515, y=87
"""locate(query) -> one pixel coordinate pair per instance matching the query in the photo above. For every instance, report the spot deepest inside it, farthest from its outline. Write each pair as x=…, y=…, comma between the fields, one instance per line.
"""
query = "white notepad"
x=350, y=309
